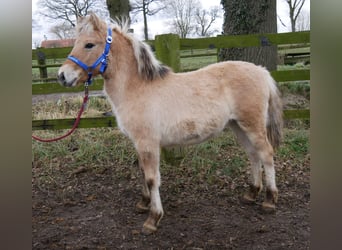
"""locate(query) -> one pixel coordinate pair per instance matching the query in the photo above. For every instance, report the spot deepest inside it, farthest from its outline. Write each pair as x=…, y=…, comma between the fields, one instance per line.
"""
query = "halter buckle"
x=109, y=39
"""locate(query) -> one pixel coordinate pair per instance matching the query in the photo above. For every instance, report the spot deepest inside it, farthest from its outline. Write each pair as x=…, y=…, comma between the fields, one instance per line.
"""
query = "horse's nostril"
x=61, y=78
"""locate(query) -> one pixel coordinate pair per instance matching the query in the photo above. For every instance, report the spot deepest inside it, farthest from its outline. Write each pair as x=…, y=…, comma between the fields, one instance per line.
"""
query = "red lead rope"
x=85, y=99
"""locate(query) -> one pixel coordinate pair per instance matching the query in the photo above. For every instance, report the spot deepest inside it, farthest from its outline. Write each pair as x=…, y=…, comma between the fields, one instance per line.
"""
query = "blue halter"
x=101, y=60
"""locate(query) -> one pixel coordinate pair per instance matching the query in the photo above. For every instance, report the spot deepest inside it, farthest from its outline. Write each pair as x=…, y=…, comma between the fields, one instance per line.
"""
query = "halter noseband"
x=101, y=60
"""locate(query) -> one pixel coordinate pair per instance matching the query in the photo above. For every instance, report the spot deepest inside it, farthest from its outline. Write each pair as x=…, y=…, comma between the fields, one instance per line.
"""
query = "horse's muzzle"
x=63, y=80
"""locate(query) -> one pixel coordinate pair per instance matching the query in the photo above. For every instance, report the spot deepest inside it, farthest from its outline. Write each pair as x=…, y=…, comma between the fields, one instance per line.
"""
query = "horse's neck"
x=121, y=76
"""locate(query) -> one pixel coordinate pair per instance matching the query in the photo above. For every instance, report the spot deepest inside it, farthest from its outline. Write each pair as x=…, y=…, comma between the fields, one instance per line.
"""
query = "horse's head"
x=88, y=58
x=88, y=54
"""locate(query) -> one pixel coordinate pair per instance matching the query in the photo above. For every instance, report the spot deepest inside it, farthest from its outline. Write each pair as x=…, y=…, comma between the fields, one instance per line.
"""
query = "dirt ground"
x=94, y=208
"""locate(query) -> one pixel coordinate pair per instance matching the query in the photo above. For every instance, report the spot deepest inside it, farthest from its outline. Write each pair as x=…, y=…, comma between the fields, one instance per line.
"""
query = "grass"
x=69, y=107
x=99, y=148
x=293, y=67
x=191, y=63
x=295, y=144
x=297, y=87
x=51, y=72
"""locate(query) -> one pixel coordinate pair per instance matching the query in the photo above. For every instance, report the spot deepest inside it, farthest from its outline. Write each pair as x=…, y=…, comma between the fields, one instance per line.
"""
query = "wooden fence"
x=167, y=49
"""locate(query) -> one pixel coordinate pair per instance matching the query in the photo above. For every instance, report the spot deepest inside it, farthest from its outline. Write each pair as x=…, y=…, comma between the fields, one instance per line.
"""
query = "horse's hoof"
x=142, y=208
x=148, y=229
x=247, y=199
x=268, y=207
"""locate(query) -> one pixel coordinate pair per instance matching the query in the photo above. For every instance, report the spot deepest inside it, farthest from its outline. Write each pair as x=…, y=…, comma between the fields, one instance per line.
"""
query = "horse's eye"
x=89, y=45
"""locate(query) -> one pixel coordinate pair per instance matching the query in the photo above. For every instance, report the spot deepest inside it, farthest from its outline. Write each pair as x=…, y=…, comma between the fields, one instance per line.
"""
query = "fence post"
x=167, y=51
x=41, y=58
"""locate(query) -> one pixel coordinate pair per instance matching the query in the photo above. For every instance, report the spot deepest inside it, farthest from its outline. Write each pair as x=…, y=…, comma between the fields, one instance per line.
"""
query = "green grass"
x=51, y=72
x=191, y=63
x=293, y=67
x=102, y=147
x=209, y=162
x=297, y=87
x=294, y=50
x=295, y=144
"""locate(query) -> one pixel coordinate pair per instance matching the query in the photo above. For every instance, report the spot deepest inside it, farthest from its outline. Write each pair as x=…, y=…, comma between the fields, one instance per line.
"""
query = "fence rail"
x=240, y=41
x=54, y=87
x=101, y=122
x=167, y=50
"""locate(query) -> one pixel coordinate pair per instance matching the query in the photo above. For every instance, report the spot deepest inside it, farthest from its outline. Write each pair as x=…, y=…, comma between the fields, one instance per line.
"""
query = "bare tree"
x=205, y=19
x=147, y=8
x=281, y=21
x=303, y=21
x=35, y=24
x=182, y=12
x=69, y=10
x=295, y=7
x=63, y=31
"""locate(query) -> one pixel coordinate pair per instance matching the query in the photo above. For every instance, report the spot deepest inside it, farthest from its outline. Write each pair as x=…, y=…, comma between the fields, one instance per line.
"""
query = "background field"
x=85, y=187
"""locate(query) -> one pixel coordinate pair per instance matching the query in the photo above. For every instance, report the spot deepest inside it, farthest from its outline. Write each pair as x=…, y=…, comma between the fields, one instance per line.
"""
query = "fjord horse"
x=156, y=107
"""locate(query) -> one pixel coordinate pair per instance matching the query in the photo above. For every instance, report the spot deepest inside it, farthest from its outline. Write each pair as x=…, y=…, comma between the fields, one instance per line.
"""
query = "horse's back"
x=236, y=84
x=198, y=105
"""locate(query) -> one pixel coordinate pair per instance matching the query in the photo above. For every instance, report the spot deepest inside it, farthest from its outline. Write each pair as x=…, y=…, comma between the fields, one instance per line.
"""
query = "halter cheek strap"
x=102, y=60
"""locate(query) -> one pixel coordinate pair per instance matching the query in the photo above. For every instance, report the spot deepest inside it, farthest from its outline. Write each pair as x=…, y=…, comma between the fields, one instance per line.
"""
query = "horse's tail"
x=275, y=116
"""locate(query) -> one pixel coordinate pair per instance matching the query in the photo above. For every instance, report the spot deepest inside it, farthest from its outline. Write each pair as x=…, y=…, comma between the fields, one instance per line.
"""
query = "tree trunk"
x=145, y=20
x=118, y=8
x=251, y=17
x=292, y=18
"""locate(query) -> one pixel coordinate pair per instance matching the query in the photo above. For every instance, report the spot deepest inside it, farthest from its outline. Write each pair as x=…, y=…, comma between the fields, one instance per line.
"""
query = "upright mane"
x=149, y=67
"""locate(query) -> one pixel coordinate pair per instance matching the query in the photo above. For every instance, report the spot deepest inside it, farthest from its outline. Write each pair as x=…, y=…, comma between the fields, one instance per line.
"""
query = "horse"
x=156, y=107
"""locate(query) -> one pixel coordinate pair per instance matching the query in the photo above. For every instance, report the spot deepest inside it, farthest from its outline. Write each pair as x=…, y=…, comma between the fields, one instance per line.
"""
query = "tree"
x=69, y=10
x=118, y=8
x=147, y=8
x=251, y=17
x=303, y=21
x=63, y=31
x=35, y=24
x=295, y=7
x=182, y=12
x=204, y=19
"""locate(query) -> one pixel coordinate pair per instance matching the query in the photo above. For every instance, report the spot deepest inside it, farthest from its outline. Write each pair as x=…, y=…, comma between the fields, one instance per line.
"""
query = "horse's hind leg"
x=256, y=167
x=149, y=155
x=260, y=150
x=144, y=204
x=266, y=156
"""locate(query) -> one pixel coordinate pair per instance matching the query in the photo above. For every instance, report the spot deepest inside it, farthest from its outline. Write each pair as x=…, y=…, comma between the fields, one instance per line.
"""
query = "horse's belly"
x=189, y=132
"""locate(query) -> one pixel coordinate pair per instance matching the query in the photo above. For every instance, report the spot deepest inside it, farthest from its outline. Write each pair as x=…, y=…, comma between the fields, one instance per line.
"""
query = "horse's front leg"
x=149, y=162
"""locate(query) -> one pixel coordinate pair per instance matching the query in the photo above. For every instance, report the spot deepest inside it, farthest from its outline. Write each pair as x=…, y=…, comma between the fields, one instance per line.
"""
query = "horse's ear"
x=95, y=21
x=79, y=19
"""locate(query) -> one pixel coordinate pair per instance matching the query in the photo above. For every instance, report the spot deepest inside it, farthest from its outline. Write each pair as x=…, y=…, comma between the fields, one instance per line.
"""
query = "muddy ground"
x=94, y=208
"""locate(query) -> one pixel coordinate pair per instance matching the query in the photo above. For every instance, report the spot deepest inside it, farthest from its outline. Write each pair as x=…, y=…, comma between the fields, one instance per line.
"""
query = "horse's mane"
x=149, y=67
